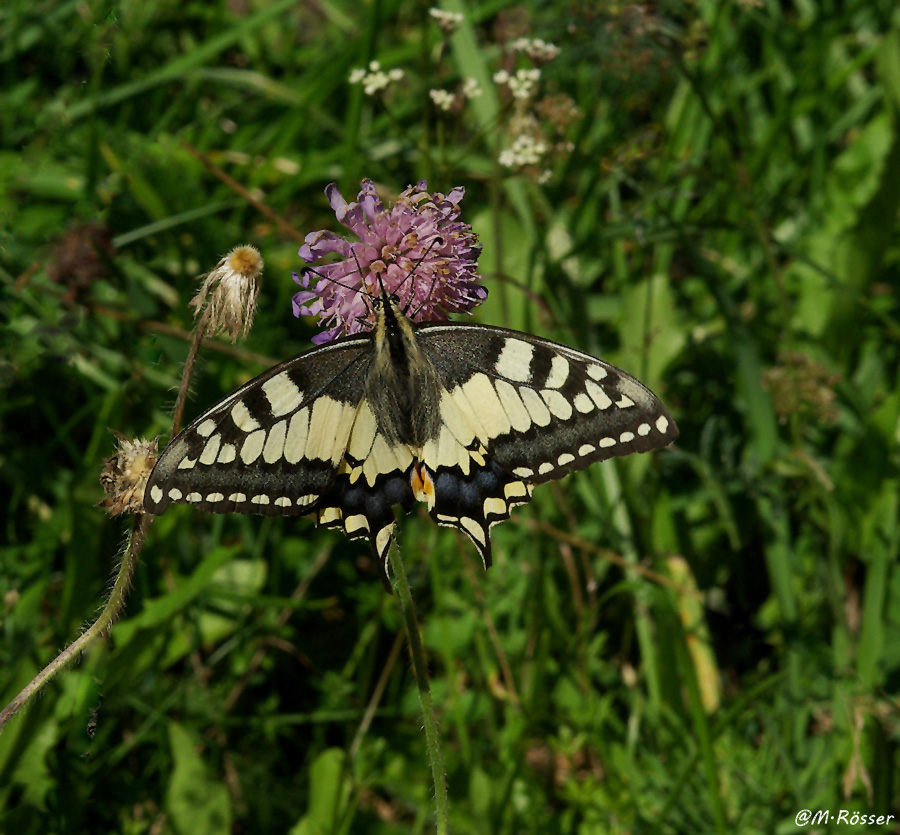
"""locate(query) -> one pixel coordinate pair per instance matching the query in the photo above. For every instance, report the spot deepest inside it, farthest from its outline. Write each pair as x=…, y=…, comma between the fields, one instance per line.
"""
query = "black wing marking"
x=518, y=410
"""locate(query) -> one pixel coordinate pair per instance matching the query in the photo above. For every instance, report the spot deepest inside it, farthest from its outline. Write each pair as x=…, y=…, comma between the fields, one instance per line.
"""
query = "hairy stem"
x=189, y=363
x=432, y=734
x=116, y=601
x=98, y=628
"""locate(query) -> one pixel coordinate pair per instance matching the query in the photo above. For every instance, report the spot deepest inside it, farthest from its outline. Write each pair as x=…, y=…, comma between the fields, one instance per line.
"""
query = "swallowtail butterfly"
x=466, y=418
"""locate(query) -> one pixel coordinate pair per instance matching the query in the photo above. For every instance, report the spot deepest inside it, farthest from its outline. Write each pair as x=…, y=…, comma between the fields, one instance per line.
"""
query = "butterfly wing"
x=518, y=410
x=300, y=439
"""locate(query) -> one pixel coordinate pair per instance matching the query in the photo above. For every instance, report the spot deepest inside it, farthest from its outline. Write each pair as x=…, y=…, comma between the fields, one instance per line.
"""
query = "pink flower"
x=422, y=253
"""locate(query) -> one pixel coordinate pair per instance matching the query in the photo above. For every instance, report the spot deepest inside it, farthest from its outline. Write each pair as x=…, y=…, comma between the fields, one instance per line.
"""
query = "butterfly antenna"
x=435, y=242
x=433, y=280
x=362, y=291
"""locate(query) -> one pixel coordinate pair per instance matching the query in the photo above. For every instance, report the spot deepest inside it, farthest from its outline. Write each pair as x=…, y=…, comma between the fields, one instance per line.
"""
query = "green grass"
x=725, y=226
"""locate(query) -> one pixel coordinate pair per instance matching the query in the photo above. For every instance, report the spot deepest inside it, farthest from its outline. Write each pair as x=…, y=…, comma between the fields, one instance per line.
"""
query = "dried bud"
x=125, y=475
x=232, y=288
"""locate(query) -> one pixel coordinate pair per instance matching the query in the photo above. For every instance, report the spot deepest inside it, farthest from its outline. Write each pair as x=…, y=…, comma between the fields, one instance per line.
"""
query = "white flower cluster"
x=446, y=21
x=522, y=84
x=537, y=49
x=526, y=150
x=374, y=79
x=443, y=99
x=470, y=89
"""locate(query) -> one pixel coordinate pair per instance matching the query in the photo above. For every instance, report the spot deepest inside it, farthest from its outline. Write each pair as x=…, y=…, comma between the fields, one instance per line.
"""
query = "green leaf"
x=195, y=802
x=329, y=789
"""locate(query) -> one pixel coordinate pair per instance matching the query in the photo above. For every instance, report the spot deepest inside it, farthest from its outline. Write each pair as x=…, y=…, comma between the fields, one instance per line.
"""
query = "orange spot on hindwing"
x=421, y=483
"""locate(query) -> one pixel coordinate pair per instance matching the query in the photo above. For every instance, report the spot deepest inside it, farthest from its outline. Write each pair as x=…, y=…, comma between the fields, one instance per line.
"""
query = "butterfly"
x=466, y=418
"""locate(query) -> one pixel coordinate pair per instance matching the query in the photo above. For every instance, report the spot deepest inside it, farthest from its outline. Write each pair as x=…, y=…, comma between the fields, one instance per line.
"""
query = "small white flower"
x=448, y=22
x=470, y=89
x=501, y=77
x=522, y=84
x=537, y=49
x=442, y=99
x=525, y=150
x=374, y=79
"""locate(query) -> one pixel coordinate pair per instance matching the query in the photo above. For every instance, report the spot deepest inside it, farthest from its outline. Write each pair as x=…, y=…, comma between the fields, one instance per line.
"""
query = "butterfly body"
x=466, y=418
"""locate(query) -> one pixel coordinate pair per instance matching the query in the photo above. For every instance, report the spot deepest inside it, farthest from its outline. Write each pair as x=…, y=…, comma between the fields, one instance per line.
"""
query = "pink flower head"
x=419, y=249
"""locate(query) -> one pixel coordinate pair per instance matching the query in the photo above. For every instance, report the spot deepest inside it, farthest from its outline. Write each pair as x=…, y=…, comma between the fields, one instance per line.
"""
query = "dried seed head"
x=231, y=289
x=124, y=477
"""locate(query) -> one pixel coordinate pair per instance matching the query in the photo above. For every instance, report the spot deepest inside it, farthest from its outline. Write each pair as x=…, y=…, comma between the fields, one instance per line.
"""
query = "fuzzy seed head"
x=230, y=291
x=125, y=474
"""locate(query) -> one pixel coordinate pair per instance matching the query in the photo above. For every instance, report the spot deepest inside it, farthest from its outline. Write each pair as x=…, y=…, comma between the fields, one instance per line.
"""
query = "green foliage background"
x=725, y=227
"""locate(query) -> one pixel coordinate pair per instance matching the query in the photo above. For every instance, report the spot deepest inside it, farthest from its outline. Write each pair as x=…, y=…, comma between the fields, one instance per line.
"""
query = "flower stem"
x=97, y=629
x=432, y=734
x=196, y=341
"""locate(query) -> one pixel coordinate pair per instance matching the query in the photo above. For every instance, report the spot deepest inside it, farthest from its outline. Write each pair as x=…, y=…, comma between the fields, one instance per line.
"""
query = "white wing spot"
x=523, y=472
x=352, y=524
x=242, y=418
x=282, y=394
x=471, y=527
x=211, y=450
x=557, y=404
x=274, y=447
x=186, y=463
x=565, y=458
x=545, y=468
x=175, y=494
x=329, y=514
x=586, y=449
x=624, y=402
x=237, y=497
x=215, y=497
x=227, y=454
x=283, y=501
x=644, y=430
x=583, y=403
x=597, y=372
x=514, y=361
x=295, y=443
x=253, y=446
x=515, y=490
x=494, y=506
x=156, y=493
x=383, y=540
x=538, y=410
x=262, y=498
x=662, y=423
x=600, y=397
x=607, y=442
x=559, y=372
x=193, y=497
x=309, y=498
x=625, y=437
x=206, y=428
x=513, y=406
x=362, y=435
x=486, y=402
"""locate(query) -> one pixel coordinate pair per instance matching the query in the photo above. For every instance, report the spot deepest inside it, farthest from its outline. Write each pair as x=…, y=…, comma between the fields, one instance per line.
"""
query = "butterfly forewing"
x=272, y=447
x=518, y=410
